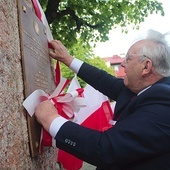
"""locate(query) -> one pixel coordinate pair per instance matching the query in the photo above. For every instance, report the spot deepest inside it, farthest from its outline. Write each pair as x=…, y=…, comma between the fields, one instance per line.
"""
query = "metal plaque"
x=36, y=63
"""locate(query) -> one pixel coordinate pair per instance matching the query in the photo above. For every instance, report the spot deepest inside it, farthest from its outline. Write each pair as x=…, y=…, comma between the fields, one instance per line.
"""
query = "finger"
x=52, y=44
x=53, y=55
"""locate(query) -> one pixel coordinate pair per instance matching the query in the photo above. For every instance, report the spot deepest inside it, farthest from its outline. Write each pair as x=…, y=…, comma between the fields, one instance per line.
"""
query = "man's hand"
x=60, y=53
x=45, y=113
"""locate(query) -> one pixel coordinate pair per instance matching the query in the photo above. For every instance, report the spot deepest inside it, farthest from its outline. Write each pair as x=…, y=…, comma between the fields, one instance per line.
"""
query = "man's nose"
x=123, y=63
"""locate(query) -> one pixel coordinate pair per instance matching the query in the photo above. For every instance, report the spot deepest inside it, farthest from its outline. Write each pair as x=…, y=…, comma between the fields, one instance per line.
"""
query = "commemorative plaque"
x=36, y=64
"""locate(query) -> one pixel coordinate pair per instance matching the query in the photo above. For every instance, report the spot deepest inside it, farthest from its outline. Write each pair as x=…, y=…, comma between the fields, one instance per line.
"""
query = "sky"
x=120, y=42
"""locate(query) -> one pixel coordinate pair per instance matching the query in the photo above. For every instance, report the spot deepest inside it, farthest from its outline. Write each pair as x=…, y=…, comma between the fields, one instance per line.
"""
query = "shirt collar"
x=143, y=90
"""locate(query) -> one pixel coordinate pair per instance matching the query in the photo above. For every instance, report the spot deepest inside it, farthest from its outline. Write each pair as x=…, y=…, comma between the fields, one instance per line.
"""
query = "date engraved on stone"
x=41, y=80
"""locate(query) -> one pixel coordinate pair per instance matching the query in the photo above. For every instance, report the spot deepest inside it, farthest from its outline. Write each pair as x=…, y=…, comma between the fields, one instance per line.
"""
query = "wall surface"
x=14, y=143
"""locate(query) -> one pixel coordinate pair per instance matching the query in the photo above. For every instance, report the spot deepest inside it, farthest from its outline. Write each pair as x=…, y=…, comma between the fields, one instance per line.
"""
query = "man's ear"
x=147, y=67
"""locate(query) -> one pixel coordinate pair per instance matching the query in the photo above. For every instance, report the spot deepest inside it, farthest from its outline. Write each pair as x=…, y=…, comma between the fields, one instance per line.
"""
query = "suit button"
x=66, y=140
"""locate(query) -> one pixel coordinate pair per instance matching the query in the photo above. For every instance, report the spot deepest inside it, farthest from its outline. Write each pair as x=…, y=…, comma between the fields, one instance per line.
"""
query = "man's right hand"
x=60, y=53
x=45, y=113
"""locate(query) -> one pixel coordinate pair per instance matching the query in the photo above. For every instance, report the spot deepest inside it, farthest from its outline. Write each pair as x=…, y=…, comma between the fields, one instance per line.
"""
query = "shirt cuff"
x=75, y=65
x=56, y=125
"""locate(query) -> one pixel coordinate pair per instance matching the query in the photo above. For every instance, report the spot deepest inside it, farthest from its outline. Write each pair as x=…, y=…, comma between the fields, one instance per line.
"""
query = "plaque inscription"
x=36, y=64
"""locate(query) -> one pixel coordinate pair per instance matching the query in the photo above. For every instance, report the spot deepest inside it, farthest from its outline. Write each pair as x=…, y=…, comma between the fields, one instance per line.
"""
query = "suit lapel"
x=122, y=101
x=125, y=105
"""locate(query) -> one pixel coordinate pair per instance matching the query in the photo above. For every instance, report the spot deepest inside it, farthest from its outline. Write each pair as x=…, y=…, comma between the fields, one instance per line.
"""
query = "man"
x=140, y=139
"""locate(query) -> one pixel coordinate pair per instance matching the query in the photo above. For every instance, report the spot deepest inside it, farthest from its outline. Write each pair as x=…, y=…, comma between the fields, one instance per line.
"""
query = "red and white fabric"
x=96, y=115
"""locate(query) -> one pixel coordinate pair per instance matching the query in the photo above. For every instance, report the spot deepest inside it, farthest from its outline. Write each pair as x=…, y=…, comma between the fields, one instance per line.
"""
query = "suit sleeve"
x=101, y=80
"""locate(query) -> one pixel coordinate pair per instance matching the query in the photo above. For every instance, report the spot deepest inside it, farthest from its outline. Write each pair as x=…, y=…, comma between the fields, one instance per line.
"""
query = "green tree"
x=77, y=23
x=91, y=20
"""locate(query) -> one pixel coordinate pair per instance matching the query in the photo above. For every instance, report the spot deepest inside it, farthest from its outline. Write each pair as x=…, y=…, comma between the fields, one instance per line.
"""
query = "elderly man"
x=140, y=139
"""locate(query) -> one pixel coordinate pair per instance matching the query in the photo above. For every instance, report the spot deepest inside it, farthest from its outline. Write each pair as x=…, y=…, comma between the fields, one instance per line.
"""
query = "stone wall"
x=14, y=143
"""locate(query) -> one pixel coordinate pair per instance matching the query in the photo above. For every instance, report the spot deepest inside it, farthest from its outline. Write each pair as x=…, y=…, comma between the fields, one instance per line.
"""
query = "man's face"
x=133, y=68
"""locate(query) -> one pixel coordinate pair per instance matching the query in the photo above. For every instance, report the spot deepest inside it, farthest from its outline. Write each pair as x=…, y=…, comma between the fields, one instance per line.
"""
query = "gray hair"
x=158, y=52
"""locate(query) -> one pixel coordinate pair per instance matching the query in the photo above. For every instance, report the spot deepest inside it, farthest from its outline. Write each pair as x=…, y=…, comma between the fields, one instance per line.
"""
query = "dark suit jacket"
x=140, y=140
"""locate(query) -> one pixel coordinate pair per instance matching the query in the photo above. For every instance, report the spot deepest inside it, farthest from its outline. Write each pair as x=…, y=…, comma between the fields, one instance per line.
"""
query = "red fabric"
x=59, y=107
x=80, y=91
x=46, y=140
x=57, y=73
x=99, y=120
x=37, y=10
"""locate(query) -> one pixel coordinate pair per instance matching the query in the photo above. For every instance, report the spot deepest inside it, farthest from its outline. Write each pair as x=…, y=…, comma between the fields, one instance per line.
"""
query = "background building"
x=115, y=62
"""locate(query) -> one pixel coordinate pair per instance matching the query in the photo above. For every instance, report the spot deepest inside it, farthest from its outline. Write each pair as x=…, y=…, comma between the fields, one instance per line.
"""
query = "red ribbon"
x=59, y=105
x=37, y=10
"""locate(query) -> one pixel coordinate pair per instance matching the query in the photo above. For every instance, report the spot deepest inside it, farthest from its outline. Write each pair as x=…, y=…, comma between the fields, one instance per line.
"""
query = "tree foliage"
x=91, y=20
x=77, y=23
